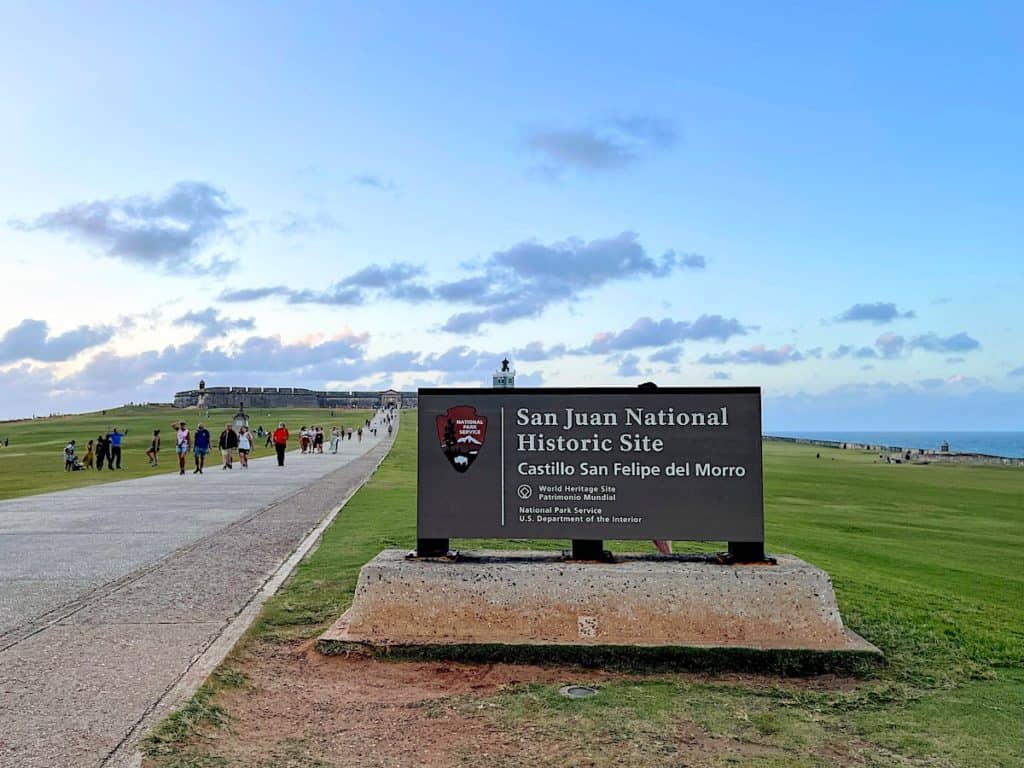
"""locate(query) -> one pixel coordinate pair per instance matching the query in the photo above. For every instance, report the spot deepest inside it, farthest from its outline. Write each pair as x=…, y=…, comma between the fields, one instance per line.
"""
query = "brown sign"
x=597, y=463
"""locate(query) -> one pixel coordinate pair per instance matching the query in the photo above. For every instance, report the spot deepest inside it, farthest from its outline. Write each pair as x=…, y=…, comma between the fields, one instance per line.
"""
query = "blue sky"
x=823, y=201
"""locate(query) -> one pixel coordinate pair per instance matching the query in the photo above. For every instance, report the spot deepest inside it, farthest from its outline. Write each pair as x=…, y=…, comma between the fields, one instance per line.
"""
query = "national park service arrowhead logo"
x=462, y=435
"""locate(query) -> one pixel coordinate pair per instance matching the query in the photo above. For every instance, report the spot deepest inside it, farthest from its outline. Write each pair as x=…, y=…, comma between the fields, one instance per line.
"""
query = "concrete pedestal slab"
x=537, y=599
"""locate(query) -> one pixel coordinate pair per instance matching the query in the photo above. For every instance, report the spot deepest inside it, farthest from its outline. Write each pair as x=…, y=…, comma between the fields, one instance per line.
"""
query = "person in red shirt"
x=280, y=443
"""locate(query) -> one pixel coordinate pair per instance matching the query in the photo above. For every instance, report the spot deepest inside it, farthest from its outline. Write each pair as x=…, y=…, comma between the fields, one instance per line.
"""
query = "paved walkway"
x=109, y=593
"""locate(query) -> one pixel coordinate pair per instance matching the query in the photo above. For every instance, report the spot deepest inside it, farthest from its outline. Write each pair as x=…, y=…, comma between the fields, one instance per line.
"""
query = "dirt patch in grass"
x=361, y=711
x=300, y=708
x=358, y=678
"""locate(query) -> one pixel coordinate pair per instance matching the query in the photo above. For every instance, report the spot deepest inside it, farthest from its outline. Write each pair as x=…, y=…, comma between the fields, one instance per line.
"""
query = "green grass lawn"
x=928, y=563
x=33, y=461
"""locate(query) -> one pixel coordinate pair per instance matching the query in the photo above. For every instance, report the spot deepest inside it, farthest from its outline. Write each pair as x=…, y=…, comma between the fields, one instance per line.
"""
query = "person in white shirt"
x=244, y=446
x=183, y=441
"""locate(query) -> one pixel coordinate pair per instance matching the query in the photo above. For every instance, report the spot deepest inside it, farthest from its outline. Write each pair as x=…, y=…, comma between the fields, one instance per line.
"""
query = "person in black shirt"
x=102, y=449
x=228, y=443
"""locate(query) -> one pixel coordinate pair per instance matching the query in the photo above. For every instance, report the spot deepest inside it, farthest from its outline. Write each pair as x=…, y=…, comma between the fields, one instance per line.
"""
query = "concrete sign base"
x=515, y=598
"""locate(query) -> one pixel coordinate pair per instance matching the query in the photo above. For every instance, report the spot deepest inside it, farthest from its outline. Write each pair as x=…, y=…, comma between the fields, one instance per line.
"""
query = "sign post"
x=591, y=465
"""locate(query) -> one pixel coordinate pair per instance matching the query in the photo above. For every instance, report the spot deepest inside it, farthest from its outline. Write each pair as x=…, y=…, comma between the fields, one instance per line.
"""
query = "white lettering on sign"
x=714, y=470
x=666, y=417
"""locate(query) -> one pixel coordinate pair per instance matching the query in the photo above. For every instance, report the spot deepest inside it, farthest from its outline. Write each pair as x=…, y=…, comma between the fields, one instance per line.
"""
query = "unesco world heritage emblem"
x=462, y=434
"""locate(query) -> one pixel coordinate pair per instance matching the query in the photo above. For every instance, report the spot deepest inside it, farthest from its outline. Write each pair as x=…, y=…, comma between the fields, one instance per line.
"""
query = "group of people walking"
x=230, y=442
x=311, y=439
x=106, y=449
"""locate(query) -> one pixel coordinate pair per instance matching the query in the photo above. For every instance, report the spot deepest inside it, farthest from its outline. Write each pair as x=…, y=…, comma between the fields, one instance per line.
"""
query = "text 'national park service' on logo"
x=462, y=435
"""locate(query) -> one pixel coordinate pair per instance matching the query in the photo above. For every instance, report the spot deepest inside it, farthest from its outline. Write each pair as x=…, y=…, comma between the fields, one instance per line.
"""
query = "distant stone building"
x=392, y=397
x=289, y=397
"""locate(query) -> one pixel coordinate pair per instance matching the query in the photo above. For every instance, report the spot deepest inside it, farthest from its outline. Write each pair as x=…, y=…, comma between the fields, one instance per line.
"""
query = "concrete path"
x=109, y=593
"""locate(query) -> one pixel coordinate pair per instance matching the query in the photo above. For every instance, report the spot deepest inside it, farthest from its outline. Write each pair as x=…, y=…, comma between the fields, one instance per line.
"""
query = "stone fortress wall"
x=289, y=397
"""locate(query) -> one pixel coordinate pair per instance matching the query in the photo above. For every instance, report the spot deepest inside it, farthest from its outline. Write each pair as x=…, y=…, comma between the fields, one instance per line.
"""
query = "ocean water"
x=1010, y=444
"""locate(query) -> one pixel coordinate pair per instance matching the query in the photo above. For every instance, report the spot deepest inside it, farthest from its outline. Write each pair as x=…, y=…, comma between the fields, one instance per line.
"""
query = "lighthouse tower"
x=506, y=377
